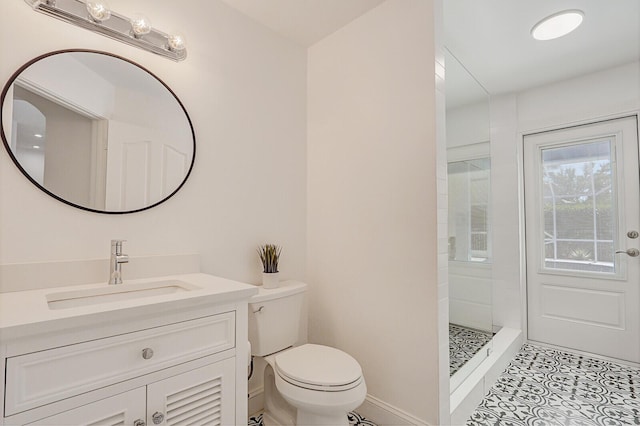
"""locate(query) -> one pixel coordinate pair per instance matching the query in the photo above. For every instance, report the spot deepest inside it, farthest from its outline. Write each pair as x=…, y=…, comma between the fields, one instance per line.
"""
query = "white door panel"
x=204, y=396
x=581, y=200
x=144, y=165
x=119, y=410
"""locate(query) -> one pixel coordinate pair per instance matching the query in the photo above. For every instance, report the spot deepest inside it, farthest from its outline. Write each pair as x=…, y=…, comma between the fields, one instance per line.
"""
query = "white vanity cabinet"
x=169, y=361
x=196, y=397
x=127, y=408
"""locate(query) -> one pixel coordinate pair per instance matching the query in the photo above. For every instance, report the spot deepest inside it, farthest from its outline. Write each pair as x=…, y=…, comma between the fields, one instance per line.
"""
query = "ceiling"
x=490, y=37
x=304, y=21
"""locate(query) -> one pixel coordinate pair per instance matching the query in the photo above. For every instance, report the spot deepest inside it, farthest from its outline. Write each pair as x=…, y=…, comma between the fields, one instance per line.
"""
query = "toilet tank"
x=275, y=317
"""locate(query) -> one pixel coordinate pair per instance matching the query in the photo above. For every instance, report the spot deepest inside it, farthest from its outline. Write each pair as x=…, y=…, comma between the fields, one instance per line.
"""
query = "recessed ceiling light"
x=557, y=25
x=38, y=135
x=36, y=147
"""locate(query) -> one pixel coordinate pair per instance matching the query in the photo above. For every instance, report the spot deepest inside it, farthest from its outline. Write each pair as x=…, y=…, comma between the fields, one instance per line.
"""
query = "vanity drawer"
x=40, y=378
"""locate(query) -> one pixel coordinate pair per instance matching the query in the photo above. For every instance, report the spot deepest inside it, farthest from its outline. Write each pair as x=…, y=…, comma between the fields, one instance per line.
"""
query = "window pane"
x=479, y=190
x=578, y=207
x=469, y=215
x=479, y=219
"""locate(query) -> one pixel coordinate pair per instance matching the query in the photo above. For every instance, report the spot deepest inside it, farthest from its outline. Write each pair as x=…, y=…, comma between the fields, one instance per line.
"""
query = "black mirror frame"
x=12, y=79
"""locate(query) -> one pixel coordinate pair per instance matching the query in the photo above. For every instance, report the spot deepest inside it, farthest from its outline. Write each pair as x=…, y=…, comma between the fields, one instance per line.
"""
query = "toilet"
x=303, y=385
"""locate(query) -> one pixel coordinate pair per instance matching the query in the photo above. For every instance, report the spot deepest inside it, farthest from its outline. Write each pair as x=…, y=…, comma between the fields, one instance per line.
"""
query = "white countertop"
x=27, y=312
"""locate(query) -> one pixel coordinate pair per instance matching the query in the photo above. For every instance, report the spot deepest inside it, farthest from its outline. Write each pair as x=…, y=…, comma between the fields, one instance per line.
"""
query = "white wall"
x=506, y=218
x=468, y=124
x=470, y=298
x=372, y=215
x=591, y=97
x=97, y=101
x=245, y=90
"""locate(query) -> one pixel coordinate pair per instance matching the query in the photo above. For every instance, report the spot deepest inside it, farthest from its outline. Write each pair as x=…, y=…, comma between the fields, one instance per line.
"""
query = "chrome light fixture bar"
x=115, y=26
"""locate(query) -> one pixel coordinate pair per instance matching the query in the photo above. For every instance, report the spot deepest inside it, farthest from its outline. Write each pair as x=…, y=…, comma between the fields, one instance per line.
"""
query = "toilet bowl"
x=321, y=382
x=297, y=392
x=303, y=385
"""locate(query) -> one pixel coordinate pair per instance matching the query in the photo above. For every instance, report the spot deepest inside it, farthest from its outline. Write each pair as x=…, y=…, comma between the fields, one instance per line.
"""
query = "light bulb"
x=98, y=10
x=140, y=25
x=176, y=42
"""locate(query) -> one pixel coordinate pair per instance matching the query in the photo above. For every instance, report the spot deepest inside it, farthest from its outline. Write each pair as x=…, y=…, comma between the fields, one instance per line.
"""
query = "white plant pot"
x=270, y=279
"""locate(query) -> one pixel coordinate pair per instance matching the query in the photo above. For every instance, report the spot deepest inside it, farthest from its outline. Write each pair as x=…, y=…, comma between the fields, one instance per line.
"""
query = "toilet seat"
x=319, y=368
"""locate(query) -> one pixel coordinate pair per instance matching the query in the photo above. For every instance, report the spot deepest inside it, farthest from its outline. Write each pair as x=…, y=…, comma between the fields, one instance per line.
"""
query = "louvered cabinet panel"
x=119, y=410
x=200, y=397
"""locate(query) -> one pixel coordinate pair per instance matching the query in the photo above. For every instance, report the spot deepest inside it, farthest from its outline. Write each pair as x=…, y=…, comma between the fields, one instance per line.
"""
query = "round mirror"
x=97, y=131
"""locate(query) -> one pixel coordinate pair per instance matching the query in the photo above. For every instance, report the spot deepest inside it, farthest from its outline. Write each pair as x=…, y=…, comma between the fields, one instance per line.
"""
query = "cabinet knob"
x=157, y=418
x=147, y=353
x=139, y=422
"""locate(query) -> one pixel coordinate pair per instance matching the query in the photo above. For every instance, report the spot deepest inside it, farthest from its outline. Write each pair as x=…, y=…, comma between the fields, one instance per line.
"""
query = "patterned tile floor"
x=354, y=419
x=464, y=343
x=546, y=387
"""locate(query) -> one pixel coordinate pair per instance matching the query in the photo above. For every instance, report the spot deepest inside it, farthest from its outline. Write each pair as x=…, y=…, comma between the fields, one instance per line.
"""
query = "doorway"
x=581, y=223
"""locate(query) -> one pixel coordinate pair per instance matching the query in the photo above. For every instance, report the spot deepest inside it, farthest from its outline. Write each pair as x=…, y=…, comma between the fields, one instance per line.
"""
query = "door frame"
x=548, y=126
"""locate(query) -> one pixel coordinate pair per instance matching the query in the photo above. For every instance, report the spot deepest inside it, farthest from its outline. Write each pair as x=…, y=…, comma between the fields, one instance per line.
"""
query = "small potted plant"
x=270, y=255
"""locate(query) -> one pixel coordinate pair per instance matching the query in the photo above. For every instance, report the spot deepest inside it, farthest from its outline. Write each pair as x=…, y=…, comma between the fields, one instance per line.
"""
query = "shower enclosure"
x=469, y=221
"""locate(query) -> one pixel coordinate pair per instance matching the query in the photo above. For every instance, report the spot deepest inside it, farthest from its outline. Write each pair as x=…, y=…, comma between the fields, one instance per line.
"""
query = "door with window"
x=582, y=209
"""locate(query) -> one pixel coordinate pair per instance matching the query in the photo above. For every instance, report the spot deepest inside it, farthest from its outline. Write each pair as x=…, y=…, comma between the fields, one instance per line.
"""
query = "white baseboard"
x=383, y=414
x=256, y=401
x=374, y=409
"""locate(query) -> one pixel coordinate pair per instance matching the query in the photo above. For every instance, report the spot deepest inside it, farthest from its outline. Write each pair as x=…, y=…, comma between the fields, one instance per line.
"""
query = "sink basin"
x=115, y=293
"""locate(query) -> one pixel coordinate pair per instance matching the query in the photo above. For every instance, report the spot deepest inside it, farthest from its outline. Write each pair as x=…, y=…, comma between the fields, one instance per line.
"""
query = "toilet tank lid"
x=286, y=288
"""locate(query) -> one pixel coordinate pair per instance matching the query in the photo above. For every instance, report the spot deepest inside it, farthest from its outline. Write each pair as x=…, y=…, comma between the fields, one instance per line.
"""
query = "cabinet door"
x=122, y=409
x=205, y=396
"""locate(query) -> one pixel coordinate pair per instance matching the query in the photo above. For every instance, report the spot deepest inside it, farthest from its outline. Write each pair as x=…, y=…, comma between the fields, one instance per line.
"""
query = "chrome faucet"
x=117, y=259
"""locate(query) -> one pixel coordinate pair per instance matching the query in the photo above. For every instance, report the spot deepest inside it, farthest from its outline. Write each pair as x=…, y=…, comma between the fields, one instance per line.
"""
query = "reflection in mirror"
x=96, y=131
x=469, y=221
x=469, y=210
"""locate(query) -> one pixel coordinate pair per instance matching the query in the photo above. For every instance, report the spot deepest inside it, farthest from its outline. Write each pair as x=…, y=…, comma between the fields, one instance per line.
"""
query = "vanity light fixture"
x=557, y=25
x=95, y=15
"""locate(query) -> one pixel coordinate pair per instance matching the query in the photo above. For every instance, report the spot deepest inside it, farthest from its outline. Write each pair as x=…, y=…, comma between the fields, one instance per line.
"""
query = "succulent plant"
x=269, y=255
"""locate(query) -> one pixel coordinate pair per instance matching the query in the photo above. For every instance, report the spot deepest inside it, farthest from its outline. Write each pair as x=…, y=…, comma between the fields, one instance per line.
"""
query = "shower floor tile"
x=464, y=343
x=354, y=419
x=544, y=387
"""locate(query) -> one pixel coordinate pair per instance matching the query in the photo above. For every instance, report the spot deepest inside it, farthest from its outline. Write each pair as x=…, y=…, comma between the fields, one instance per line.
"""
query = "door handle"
x=633, y=252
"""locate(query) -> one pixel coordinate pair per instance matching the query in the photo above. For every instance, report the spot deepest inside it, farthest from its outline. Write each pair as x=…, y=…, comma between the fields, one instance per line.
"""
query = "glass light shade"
x=98, y=10
x=140, y=25
x=557, y=25
x=176, y=42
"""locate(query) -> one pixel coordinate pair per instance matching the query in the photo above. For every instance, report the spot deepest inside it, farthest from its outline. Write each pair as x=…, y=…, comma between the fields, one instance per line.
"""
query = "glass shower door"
x=469, y=222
